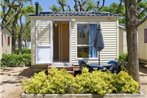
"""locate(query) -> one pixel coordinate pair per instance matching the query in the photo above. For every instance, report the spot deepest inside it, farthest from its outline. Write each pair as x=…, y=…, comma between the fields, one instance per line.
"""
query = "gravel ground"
x=10, y=81
x=143, y=80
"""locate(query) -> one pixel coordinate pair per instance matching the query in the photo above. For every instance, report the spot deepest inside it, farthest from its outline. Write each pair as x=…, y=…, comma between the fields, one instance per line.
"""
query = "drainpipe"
x=36, y=5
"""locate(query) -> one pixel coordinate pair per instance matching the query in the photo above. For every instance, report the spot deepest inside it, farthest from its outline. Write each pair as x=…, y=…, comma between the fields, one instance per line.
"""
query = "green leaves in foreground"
x=97, y=82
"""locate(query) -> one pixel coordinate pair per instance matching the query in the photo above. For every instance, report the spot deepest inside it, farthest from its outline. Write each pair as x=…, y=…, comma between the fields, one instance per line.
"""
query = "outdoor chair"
x=83, y=64
x=113, y=66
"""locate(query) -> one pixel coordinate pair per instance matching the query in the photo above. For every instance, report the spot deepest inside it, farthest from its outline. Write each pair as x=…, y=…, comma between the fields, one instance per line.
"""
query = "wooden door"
x=61, y=41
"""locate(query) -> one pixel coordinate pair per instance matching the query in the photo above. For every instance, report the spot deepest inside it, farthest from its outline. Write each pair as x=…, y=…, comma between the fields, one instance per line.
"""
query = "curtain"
x=92, y=50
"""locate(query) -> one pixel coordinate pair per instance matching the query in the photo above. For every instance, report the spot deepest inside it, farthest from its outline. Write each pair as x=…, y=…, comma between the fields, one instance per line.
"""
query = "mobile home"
x=66, y=37
x=142, y=42
x=63, y=37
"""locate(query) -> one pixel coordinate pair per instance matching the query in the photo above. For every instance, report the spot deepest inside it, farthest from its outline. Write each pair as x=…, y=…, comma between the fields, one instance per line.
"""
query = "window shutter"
x=145, y=35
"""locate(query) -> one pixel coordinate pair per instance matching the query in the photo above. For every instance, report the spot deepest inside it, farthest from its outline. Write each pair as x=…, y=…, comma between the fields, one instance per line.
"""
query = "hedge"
x=15, y=60
x=97, y=82
x=24, y=51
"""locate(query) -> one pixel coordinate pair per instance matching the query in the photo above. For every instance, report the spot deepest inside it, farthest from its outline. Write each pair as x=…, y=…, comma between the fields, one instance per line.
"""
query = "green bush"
x=124, y=83
x=15, y=60
x=36, y=83
x=26, y=59
x=24, y=51
x=97, y=82
x=123, y=58
x=59, y=82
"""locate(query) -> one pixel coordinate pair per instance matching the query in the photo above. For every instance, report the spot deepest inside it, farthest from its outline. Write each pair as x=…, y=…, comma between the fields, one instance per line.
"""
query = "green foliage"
x=24, y=51
x=124, y=83
x=12, y=14
x=26, y=59
x=54, y=8
x=14, y=60
x=36, y=84
x=97, y=82
x=123, y=58
x=61, y=80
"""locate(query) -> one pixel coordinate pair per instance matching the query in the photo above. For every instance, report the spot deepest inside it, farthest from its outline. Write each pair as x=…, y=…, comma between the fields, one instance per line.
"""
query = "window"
x=145, y=35
x=8, y=40
x=85, y=36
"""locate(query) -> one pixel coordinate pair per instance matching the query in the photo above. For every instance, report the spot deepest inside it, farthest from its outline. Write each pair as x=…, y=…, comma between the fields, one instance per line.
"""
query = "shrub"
x=36, y=84
x=24, y=51
x=97, y=82
x=123, y=58
x=58, y=82
x=14, y=60
x=26, y=59
x=62, y=82
x=124, y=83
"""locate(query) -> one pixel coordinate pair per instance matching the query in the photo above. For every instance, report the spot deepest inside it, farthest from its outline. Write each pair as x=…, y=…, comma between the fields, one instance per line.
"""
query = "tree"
x=80, y=5
x=135, y=14
x=119, y=8
x=54, y=8
x=131, y=28
x=23, y=25
x=11, y=10
x=63, y=6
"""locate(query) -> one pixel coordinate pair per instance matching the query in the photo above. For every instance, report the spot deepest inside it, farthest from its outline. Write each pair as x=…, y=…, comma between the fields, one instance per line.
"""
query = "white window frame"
x=76, y=25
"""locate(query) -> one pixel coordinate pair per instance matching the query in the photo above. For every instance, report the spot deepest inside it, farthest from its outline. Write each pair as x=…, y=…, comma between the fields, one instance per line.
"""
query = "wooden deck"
x=73, y=69
x=70, y=69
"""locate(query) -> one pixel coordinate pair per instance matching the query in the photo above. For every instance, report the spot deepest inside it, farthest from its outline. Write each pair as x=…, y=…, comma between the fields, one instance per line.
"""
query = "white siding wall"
x=6, y=49
x=109, y=31
x=142, y=47
x=122, y=41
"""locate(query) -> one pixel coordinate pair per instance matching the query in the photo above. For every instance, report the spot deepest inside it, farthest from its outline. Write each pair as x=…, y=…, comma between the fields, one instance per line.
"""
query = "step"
x=69, y=68
x=61, y=64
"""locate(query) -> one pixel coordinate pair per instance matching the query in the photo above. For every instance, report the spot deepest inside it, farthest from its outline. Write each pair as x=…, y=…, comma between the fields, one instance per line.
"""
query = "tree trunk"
x=13, y=43
x=20, y=44
x=14, y=33
x=131, y=28
x=25, y=43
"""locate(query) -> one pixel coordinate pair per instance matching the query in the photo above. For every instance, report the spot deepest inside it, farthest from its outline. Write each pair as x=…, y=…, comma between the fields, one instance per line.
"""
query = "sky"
x=47, y=3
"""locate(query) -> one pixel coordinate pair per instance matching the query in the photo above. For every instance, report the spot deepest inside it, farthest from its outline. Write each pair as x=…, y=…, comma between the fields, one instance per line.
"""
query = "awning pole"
x=99, y=58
